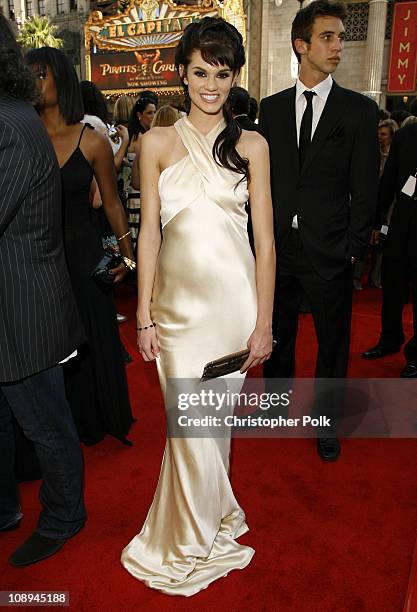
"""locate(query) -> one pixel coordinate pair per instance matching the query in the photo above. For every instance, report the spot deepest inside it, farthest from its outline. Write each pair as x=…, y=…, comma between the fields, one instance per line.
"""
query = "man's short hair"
x=302, y=26
x=253, y=109
x=399, y=116
x=390, y=124
x=239, y=101
x=384, y=114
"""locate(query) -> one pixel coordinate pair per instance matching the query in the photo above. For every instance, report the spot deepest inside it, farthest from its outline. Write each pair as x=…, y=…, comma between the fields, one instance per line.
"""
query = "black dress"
x=95, y=380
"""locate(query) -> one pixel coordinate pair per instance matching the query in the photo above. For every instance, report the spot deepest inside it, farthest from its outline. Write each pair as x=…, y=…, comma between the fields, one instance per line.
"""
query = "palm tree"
x=38, y=32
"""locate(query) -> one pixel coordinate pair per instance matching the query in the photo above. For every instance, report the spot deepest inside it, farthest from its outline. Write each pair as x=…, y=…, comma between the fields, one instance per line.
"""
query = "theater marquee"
x=135, y=50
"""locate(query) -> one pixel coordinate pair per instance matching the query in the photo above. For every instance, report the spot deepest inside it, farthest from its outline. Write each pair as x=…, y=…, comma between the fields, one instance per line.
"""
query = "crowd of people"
x=396, y=227
x=198, y=197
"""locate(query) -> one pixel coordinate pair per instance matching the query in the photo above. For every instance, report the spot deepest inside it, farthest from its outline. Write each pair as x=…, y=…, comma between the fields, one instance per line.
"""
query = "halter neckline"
x=219, y=127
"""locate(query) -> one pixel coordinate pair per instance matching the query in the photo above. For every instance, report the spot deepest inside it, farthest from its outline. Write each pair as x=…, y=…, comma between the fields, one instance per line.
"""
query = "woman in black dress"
x=141, y=116
x=96, y=379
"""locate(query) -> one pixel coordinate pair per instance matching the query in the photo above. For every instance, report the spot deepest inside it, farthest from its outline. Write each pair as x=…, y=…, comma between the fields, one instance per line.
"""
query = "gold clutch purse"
x=227, y=364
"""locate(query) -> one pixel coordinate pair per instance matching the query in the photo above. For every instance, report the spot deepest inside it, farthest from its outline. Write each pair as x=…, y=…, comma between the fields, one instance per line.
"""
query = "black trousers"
x=397, y=274
x=331, y=308
x=41, y=409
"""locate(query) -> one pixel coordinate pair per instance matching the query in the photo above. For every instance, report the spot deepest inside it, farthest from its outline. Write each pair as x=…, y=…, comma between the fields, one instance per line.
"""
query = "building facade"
x=271, y=63
x=68, y=15
x=365, y=59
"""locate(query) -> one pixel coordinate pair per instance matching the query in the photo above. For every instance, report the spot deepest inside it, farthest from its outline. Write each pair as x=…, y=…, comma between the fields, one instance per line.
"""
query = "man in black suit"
x=39, y=322
x=324, y=174
x=399, y=263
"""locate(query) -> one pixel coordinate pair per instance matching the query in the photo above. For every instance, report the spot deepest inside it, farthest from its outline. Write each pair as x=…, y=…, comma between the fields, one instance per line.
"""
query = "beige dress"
x=204, y=303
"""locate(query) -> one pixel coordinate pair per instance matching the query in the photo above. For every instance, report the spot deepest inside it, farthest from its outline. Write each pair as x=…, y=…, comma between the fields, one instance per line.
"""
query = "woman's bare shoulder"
x=252, y=144
x=252, y=138
x=162, y=133
x=94, y=144
x=93, y=136
x=159, y=137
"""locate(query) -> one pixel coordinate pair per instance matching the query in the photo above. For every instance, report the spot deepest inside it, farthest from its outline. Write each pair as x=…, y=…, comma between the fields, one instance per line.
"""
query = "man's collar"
x=322, y=89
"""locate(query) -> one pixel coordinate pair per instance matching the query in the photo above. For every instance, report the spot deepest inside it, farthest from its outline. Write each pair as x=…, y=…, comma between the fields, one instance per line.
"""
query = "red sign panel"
x=403, y=57
x=152, y=68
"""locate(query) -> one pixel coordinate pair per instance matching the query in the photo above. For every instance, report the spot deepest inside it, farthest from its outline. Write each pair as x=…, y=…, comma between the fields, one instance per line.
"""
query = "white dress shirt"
x=319, y=102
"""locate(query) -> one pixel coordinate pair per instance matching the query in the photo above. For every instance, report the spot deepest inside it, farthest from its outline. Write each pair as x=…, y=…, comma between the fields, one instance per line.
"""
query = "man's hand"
x=374, y=237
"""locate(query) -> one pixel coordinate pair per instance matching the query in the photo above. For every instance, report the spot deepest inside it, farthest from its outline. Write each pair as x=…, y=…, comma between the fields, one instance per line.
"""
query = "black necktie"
x=305, y=127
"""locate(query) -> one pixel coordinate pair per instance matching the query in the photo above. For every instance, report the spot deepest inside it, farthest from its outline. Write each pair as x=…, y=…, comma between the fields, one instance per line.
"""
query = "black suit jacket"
x=401, y=163
x=39, y=321
x=334, y=194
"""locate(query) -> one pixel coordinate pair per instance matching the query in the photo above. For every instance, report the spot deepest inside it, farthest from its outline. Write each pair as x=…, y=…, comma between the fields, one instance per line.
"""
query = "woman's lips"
x=210, y=98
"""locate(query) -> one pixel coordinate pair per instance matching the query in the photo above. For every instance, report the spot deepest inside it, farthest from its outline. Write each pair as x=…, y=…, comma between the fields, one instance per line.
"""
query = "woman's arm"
x=102, y=162
x=95, y=196
x=149, y=241
x=260, y=341
x=135, y=177
x=124, y=143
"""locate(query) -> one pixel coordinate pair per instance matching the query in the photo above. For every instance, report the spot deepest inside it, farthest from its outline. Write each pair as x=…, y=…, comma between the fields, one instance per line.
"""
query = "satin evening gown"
x=204, y=303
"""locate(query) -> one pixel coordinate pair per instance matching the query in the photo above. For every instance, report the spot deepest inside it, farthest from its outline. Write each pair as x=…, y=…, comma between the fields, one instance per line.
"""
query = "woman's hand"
x=260, y=346
x=123, y=133
x=119, y=272
x=148, y=343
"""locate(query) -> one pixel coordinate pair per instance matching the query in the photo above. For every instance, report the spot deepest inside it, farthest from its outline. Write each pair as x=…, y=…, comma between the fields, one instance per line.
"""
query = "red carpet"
x=328, y=537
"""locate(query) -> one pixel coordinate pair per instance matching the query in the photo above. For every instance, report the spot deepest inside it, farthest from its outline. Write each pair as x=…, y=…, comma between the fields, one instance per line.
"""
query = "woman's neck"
x=203, y=121
x=53, y=120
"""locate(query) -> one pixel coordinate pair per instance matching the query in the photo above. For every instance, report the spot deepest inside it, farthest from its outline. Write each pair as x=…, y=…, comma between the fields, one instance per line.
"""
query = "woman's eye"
x=224, y=75
x=199, y=73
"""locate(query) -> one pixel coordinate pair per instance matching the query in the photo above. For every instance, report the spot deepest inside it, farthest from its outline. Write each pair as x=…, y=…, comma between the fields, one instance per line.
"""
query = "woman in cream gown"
x=209, y=299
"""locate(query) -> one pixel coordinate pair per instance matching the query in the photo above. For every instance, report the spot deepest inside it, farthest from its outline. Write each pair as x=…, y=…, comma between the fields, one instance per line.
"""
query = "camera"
x=113, y=133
